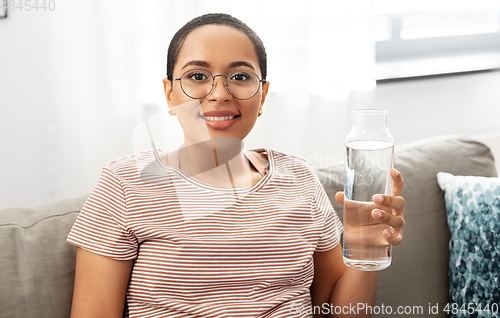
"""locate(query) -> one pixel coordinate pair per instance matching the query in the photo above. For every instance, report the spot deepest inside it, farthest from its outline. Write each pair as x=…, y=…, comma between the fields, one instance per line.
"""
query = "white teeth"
x=214, y=118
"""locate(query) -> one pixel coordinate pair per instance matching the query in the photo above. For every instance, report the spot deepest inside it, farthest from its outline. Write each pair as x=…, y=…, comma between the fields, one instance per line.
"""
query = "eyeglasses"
x=199, y=83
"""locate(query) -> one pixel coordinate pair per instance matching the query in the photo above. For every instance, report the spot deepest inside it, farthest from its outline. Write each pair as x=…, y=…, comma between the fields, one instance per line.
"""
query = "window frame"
x=398, y=50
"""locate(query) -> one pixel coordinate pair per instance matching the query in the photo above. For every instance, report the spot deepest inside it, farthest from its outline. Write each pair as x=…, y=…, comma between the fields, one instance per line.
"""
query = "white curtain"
x=96, y=69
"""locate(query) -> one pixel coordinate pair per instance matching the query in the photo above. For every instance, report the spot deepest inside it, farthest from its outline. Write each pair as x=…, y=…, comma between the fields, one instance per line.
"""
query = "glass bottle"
x=369, y=159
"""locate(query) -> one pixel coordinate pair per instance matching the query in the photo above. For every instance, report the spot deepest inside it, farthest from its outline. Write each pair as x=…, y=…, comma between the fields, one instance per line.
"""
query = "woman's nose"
x=220, y=90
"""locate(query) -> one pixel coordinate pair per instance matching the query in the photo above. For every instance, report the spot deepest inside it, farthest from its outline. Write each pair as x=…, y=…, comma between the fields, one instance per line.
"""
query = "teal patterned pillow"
x=473, y=212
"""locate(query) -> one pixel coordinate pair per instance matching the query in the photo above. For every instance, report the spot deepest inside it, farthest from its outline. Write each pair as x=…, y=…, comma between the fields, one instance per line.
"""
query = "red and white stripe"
x=202, y=251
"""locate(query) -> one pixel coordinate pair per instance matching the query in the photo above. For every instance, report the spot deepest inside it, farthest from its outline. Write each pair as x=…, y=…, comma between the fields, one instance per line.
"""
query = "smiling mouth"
x=218, y=118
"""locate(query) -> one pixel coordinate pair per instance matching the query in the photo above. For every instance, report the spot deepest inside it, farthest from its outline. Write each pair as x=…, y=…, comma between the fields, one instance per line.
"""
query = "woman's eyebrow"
x=196, y=62
x=241, y=63
x=206, y=64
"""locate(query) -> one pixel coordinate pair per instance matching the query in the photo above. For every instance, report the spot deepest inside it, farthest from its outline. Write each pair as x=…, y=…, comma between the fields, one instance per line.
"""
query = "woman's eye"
x=198, y=77
x=240, y=77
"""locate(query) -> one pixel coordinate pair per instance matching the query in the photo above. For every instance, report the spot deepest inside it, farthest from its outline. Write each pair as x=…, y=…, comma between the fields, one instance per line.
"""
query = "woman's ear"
x=167, y=87
x=265, y=89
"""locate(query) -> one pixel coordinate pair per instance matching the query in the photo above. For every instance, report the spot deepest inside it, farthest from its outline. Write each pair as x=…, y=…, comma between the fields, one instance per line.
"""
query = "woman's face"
x=218, y=49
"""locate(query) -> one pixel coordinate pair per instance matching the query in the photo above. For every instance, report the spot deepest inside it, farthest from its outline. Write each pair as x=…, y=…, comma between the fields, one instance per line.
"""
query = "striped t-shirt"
x=202, y=251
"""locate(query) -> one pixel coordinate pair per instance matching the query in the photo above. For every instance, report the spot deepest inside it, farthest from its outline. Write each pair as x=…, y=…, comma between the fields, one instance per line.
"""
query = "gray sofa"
x=37, y=266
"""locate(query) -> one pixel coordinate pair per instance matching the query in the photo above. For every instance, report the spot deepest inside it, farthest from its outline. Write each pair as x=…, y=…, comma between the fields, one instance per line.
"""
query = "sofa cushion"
x=37, y=266
x=473, y=209
x=424, y=251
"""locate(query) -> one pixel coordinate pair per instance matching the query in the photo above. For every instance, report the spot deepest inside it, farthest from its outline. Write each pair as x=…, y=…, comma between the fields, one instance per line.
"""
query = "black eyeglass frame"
x=261, y=81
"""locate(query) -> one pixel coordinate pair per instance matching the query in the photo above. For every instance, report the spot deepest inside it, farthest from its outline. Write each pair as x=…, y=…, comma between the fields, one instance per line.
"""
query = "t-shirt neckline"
x=203, y=185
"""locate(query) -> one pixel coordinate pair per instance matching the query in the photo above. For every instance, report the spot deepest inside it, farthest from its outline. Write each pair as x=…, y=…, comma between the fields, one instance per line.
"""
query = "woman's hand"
x=394, y=204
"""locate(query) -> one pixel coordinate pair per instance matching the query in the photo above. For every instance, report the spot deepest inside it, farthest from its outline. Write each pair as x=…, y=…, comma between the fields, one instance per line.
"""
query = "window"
x=418, y=38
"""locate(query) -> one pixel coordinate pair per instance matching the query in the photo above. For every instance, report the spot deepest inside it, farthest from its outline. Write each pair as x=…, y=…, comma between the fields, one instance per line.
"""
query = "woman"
x=214, y=230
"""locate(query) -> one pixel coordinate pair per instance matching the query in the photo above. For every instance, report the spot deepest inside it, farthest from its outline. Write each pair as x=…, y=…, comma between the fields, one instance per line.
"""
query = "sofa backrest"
x=418, y=275
x=37, y=266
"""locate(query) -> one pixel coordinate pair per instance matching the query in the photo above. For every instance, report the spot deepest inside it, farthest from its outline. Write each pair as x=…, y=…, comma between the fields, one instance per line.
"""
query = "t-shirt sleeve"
x=101, y=226
x=332, y=228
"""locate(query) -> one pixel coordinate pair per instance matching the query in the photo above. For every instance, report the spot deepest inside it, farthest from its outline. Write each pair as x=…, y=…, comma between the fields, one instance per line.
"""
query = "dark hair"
x=214, y=18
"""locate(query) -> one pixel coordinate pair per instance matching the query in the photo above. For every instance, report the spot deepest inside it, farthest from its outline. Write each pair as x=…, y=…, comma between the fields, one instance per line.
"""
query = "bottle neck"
x=369, y=125
x=370, y=119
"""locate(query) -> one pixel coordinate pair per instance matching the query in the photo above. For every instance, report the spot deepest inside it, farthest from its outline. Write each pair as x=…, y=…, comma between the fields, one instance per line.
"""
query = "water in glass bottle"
x=369, y=159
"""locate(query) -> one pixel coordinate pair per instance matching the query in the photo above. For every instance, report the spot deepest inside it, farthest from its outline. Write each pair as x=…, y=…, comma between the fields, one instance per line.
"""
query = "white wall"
x=24, y=107
x=31, y=175
x=55, y=78
x=466, y=104
x=463, y=104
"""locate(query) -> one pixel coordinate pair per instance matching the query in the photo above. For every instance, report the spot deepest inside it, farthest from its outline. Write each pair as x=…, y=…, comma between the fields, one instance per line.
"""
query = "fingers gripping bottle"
x=369, y=159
